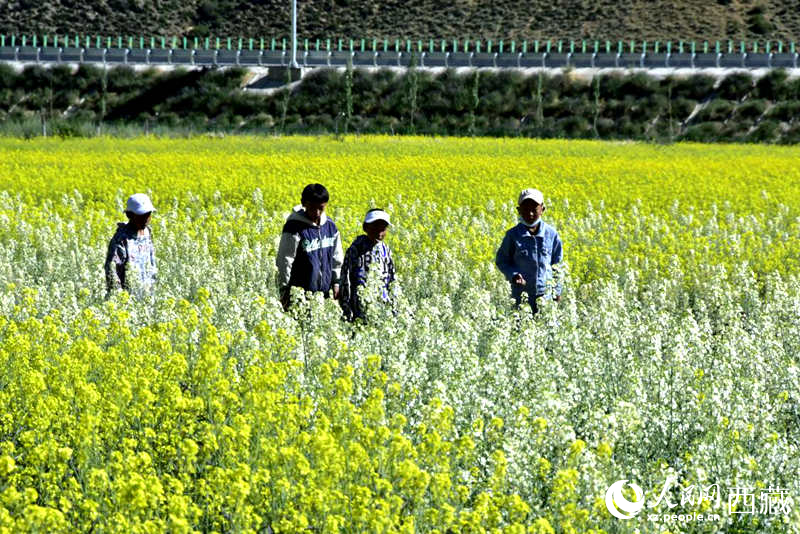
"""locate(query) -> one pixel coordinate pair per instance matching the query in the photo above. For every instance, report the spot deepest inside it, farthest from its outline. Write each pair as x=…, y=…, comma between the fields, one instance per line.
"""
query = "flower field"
x=674, y=352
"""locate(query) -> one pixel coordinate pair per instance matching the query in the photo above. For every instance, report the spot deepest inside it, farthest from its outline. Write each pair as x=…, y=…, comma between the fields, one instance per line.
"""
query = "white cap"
x=533, y=194
x=139, y=204
x=377, y=215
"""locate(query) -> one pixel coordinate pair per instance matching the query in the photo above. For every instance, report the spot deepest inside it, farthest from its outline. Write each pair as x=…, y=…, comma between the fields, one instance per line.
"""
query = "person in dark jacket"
x=310, y=252
x=367, y=253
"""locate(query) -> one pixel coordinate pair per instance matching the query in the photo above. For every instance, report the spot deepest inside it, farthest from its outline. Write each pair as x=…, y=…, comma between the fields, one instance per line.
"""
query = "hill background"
x=423, y=19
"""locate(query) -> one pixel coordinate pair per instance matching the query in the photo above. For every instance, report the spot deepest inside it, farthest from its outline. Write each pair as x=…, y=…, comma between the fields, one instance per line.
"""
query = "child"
x=310, y=251
x=368, y=252
x=132, y=245
x=530, y=251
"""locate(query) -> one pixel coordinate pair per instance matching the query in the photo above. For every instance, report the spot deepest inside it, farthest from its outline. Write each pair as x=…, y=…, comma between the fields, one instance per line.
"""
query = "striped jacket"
x=362, y=256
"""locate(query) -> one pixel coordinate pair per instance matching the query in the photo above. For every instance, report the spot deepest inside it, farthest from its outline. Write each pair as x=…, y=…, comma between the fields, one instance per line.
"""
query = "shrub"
x=766, y=132
x=773, y=86
x=785, y=111
x=735, y=86
x=715, y=111
x=703, y=132
x=752, y=109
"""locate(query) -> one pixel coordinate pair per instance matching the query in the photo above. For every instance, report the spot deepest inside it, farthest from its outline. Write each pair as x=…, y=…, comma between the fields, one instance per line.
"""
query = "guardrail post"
x=644, y=53
x=478, y=47
x=501, y=46
x=524, y=46
x=489, y=46
x=559, y=47
x=669, y=54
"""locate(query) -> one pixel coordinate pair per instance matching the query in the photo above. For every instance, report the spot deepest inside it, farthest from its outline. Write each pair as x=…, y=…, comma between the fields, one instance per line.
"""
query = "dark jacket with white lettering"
x=309, y=255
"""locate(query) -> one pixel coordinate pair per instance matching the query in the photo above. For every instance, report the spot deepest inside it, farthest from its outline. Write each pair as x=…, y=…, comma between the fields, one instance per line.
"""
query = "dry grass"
x=506, y=19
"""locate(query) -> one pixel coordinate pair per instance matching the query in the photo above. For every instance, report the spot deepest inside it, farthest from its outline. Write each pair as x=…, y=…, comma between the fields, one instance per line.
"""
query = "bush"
x=735, y=86
x=759, y=24
x=785, y=111
x=766, y=132
x=752, y=109
x=773, y=86
x=715, y=111
x=697, y=87
x=704, y=132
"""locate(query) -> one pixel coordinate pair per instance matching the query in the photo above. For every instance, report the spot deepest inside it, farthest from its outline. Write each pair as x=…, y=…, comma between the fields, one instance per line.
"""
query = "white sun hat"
x=377, y=215
x=533, y=194
x=139, y=204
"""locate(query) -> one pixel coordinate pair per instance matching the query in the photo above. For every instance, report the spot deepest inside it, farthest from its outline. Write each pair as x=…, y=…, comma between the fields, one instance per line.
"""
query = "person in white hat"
x=530, y=251
x=367, y=253
x=131, y=248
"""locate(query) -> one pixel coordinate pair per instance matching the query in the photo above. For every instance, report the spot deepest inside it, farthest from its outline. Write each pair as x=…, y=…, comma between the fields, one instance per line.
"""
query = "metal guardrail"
x=336, y=58
x=399, y=53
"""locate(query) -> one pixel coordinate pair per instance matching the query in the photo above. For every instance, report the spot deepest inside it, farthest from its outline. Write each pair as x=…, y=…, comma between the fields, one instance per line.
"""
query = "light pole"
x=294, y=35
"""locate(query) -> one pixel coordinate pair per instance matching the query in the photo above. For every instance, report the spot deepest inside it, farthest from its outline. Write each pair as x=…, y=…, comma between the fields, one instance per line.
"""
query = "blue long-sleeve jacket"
x=532, y=256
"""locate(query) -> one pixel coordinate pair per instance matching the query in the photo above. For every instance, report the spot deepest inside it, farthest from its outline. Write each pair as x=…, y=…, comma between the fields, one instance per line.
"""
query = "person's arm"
x=390, y=267
x=555, y=261
x=345, y=288
x=153, y=256
x=115, y=264
x=504, y=259
x=287, y=251
x=336, y=266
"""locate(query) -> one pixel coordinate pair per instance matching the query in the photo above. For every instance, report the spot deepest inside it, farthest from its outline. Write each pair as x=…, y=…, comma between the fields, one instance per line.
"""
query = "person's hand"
x=335, y=291
x=285, y=298
x=518, y=279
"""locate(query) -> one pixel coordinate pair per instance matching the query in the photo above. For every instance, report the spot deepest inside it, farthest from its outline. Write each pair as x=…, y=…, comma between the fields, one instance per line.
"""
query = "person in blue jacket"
x=530, y=251
x=310, y=252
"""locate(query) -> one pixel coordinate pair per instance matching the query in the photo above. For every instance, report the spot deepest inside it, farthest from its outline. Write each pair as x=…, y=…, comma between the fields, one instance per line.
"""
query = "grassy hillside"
x=737, y=108
x=496, y=19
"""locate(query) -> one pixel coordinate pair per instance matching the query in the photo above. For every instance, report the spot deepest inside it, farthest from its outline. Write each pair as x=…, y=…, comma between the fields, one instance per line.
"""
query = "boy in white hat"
x=530, y=250
x=132, y=246
x=367, y=253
